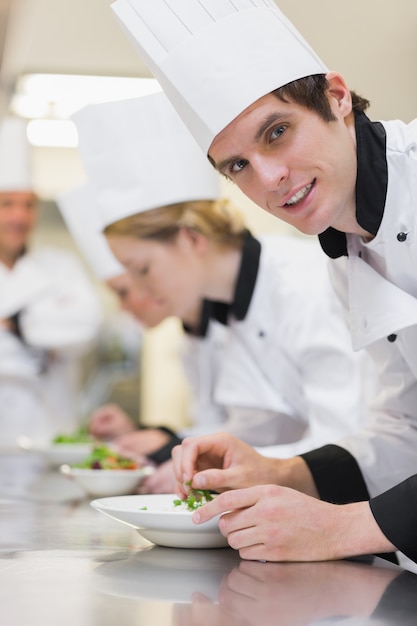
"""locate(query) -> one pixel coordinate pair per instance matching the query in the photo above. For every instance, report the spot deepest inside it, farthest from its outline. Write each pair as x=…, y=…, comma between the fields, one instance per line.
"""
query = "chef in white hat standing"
x=277, y=382
x=49, y=315
x=297, y=141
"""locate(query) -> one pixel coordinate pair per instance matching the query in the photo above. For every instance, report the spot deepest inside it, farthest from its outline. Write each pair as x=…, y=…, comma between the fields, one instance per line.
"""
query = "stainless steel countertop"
x=64, y=564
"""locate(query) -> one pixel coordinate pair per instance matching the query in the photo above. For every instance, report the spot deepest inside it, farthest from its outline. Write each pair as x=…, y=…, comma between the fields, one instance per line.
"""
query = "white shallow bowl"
x=162, y=523
x=56, y=454
x=107, y=482
x=167, y=574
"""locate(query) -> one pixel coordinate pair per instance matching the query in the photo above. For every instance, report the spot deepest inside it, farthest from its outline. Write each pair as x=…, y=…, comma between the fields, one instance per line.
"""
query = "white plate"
x=167, y=574
x=56, y=454
x=107, y=482
x=162, y=523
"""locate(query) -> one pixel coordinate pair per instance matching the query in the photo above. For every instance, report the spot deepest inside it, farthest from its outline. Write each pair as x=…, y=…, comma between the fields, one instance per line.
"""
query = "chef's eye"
x=142, y=271
x=277, y=132
x=123, y=294
x=237, y=166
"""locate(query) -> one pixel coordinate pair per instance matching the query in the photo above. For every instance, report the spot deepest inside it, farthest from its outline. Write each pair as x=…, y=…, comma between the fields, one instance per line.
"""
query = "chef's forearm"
x=293, y=473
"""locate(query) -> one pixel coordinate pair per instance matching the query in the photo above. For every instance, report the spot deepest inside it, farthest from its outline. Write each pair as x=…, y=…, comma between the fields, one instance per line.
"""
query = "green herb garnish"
x=195, y=499
x=81, y=435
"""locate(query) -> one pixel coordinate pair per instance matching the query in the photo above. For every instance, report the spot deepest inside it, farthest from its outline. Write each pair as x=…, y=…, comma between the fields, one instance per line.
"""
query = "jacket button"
x=392, y=338
x=402, y=237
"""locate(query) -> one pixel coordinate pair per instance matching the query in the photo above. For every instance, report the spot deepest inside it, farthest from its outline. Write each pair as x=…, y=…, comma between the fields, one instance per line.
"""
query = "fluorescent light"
x=55, y=97
x=52, y=133
x=60, y=95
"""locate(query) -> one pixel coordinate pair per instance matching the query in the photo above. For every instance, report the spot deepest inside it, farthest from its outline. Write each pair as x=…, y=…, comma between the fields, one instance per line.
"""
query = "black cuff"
x=336, y=474
x=395, y=512
x=164, y=453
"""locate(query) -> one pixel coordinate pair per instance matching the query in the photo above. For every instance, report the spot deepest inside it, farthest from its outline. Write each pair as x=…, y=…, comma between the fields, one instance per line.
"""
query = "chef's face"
x=293, y=163
x=17, y=219
x=146, y=310
x=168, y=273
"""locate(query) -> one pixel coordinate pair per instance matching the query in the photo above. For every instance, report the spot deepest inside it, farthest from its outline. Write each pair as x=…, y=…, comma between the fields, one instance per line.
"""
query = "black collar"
x=245, y=285
x=203, y=323
x=371, y=184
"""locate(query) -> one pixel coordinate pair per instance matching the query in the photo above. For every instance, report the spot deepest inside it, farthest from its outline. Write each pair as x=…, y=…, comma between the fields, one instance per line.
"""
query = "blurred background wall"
x=372, y=43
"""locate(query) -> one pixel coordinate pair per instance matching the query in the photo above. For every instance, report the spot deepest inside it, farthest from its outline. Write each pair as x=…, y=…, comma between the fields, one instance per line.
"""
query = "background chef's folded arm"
x=67, y=315
x=21, y=286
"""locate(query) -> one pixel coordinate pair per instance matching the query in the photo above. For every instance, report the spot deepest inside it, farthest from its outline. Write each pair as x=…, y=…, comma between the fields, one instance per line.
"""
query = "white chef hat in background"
x=15, y=156
x=83, y=222
x=138, y=155
x=214, y=58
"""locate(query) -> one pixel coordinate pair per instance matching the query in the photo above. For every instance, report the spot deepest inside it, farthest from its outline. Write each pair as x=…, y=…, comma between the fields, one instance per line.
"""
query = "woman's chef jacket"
x=378, y=283
x=276, y=367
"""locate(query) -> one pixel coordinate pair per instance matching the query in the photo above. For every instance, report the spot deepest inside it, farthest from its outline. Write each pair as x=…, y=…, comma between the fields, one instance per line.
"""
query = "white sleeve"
x=67, y=313
x=386, y=450
x=21, y=286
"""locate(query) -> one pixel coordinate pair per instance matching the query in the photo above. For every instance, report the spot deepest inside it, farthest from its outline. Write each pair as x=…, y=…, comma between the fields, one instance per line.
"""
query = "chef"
x=287, y=376
x=200, y=356
x=49, y=317
x=297, y=141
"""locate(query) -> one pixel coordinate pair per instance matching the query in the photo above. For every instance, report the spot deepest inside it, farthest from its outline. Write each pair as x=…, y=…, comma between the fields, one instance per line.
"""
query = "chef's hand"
x=161, y=481
x=142, y=442
x=222, y=461
x=274, y=523
x=110, y=421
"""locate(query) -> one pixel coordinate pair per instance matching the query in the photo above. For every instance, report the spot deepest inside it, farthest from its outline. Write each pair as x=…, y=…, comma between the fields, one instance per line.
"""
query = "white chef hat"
x=139, y=155
x=15, y=156
x=83, y=222
x=214, y=58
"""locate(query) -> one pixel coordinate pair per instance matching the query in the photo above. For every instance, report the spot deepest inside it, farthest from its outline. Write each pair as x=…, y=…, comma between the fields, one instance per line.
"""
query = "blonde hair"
x=215, y=219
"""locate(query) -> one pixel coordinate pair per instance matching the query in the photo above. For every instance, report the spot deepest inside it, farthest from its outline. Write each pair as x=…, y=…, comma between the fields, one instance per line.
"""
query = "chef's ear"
x=339, y=93
x=197, y=240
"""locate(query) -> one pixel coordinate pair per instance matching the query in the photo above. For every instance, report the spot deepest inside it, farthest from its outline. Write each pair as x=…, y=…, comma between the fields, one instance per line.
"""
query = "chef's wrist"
x=163, y=453
x=356, y=532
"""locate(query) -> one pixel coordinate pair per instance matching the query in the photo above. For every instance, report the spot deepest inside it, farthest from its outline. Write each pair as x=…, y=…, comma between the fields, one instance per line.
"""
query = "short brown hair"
x=311, y=92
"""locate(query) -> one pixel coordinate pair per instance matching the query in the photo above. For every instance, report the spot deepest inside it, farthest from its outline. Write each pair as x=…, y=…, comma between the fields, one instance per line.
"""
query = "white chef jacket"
x=378, y=284
x=284, y=378
x=59, y=317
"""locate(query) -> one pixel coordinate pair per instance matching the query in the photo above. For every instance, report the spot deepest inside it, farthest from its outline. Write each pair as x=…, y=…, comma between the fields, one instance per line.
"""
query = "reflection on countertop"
x=64, y=563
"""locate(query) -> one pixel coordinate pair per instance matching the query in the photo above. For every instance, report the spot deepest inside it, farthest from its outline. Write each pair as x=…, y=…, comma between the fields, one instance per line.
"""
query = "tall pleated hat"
x=83, y=222
x=139, y=155
x=15, y=156
x=214, y=58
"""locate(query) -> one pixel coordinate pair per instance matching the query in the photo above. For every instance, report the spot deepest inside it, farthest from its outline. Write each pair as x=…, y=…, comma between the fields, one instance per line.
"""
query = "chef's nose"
x=270, y=172
x=142, y=291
